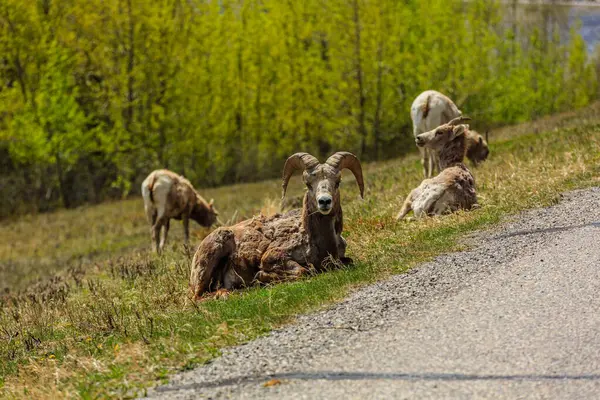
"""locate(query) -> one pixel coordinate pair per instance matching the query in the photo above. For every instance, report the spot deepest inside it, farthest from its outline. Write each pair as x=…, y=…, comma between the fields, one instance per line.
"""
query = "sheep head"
x=437, y=138
x=477, y=147
x=204, y=213
x=323, y=180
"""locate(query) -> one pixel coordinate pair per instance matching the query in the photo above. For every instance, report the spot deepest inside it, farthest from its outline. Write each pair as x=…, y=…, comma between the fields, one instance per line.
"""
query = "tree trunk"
x=17, y=62
x=64, y=194
x=130, y=64
x=362, y=131
x=379, y=100
x=92, y=193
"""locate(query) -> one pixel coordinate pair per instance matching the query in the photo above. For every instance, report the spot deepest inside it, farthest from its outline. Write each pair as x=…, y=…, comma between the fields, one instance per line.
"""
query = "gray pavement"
x=518, y=316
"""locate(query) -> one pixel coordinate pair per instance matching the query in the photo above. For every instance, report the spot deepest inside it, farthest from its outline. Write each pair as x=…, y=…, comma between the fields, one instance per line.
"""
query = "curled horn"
x=344, y=159
x=459, y=120
x=298, y=161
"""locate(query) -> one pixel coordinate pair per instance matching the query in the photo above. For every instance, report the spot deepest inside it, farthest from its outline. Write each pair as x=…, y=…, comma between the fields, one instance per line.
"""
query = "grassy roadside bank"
x=118, y=324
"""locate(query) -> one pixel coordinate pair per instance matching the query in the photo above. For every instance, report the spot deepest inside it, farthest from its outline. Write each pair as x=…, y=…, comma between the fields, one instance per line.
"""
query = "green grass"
x=38, y=246
x=90, y=312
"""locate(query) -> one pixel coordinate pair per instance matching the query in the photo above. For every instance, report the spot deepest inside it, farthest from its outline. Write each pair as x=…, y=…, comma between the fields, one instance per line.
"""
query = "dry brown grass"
x=122, y=319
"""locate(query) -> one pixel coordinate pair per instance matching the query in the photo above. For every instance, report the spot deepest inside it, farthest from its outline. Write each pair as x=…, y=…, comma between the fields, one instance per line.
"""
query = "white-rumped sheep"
x=283, y=246
x=454, y=187
x=168, y=195
x=428, y=111
x=477, y=147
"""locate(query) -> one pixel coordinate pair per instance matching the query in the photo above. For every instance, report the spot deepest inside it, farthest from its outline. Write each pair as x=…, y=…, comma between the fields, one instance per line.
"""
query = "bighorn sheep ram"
x=281, y=247
x=454, y=187
x=168, y=195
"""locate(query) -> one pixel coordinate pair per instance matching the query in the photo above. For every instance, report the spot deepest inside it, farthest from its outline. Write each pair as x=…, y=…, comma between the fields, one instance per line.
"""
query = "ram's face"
x=323, y=184
x=323, y=180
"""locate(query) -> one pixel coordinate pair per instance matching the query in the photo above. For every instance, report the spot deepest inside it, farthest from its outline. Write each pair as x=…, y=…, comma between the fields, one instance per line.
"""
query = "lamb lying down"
x=454, y=188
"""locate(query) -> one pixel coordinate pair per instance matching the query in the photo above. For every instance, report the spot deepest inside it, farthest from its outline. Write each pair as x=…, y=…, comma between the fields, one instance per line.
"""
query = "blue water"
x=563, y=16
x=590, y=20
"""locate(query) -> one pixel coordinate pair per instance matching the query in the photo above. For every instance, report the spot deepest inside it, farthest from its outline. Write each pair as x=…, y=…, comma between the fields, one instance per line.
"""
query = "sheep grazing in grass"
x=428, y=111
x=477, y=147
x=283, y=246
x=168, y=195
x=454, y=187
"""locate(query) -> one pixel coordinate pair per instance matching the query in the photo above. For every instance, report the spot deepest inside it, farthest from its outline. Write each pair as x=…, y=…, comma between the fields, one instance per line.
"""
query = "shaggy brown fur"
x=168, y=195
x=454, y=187
x=477, y=147
x=284, y=246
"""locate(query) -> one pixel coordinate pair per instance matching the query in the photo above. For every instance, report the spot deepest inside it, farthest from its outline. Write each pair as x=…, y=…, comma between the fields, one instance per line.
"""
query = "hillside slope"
x=108, y=317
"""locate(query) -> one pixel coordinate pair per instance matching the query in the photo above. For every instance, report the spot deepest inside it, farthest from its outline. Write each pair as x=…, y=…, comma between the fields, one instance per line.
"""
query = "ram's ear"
x=459, y=130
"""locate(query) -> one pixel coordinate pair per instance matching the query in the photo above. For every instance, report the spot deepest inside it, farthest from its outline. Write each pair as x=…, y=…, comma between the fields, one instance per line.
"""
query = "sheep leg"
x=428, y=207
x=212, y=255
x=156, y=230
x=276, y=266
x=287, y=271
x=346, y=261
x=186, y=229
x=150, y=214
x=341, y=246
x=156, y=236
x=165, y=233
x=424, y=160
x=430, y=162
x=436, y=162
x=219, y=294
x=406, y=207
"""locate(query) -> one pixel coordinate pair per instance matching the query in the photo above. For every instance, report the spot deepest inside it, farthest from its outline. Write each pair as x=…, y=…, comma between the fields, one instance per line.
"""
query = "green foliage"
x=115, y=318
x=96, y=94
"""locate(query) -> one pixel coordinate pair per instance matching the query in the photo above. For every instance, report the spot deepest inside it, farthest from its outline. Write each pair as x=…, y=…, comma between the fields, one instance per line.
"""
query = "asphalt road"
x=516, y=317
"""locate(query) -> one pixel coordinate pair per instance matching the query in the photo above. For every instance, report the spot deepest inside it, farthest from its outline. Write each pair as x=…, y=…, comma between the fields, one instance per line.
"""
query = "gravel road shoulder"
x=350, y=330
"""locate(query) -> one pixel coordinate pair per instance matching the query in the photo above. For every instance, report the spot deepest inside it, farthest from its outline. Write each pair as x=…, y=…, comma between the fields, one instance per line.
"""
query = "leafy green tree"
x=95, y=94
x=51, y=130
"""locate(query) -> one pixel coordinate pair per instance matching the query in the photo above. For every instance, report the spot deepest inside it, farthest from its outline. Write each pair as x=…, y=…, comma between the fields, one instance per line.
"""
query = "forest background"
x=95, y=94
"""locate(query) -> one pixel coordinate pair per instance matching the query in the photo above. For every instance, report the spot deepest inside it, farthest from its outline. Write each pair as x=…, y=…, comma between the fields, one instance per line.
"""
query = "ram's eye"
x=438, y=133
